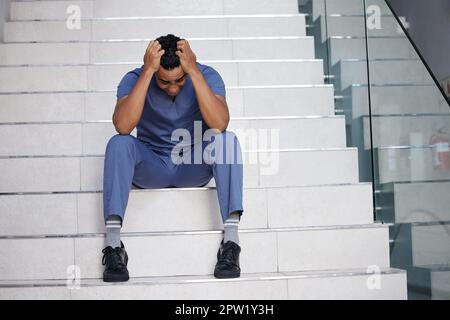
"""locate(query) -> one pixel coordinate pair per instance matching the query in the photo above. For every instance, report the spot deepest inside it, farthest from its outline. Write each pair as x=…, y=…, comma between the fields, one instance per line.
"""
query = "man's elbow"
x=123, y=131
x=224, y=128
x=221, y=127
x=225, y=123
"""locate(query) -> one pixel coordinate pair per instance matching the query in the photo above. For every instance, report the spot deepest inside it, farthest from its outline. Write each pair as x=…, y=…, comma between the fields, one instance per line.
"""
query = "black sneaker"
x=227, y=265
x=116, y=261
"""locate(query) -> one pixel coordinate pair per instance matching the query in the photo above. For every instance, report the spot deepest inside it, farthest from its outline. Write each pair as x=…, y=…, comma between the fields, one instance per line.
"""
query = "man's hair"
x=169, y=59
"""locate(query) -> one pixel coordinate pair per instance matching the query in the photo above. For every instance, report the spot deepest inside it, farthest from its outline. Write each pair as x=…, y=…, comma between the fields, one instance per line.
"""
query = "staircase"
x=307, y=231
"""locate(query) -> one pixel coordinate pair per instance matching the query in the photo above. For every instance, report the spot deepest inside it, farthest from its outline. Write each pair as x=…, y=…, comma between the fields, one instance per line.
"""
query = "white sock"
x=113, y=227
x=231, y=228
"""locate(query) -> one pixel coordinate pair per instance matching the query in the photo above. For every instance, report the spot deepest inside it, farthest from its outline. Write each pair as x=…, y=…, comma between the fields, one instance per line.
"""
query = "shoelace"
x=112, y=258
x=227, y=256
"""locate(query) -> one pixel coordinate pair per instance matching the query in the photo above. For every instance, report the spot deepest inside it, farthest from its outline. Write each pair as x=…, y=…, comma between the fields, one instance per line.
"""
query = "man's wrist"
x=195, y=72
x=148, y=73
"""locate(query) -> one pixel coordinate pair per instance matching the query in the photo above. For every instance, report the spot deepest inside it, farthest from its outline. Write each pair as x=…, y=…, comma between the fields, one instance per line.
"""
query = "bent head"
x=171, y=81
x=170, y=77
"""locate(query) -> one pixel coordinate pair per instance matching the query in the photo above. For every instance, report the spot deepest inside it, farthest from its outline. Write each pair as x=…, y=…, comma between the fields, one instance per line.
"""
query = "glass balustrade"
x=399, y=119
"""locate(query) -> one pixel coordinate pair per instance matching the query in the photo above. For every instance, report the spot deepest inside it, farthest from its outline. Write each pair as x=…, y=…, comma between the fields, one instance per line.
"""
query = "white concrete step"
x=422, y=249
x=44, y=10
x=379, y=48
x=348, y=7
x=272, y=168
x=107, y=76
x=172, y=254
x=409, y=200
x=153, y=27
x=407, y=164
x=195, y=209
x=133, y=51
x=396, y=99
x=439, y=281
x=353, y=25
x=430, y=243
x=337, y=284
x=59, y=139
x=249, y=101
x=344, y=7
x=404, y=130
x=382, y=71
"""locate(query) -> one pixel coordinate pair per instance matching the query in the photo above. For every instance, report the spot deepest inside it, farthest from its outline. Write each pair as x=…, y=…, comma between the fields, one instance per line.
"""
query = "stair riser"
x=27, y=215
x=355, y=26
x=107, y=77
x=440, y=285
x=403, y=131
x=430, y=245
x=347, y=6
x=335, y=288
x=296, y=168
x=409, y=199
x=382, y=72
x=254, y=102
x=398, y=100
x=416, y=164
x=174, y=254
x=41, y=31
x=92, y=138
x=378, y=49
x=134, y=8
x=114, y=52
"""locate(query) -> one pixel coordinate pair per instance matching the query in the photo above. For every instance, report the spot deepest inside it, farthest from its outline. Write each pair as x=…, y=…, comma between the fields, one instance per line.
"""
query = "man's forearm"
x=213, y=110
x=129, y=111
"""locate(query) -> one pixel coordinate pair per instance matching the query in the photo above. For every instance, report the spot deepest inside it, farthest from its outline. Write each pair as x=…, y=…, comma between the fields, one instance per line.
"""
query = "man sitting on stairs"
x=170, y=94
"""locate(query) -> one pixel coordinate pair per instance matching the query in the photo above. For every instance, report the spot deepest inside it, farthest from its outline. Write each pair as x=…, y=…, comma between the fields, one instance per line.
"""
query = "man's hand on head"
x=188, y=59
x=152, y=57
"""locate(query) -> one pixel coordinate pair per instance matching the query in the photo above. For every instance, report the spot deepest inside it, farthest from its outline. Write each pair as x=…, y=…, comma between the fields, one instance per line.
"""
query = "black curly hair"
x=169, y=59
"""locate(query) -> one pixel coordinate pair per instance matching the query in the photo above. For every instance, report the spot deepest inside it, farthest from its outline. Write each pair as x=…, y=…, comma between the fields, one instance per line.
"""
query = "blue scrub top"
x=161, y=116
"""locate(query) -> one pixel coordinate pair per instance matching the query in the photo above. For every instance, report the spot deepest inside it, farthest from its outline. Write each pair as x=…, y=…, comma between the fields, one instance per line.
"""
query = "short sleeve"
x=215, y=81
x=127, y=83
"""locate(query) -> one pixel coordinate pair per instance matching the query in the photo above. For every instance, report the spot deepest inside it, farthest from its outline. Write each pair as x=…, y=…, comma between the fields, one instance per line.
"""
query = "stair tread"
x=435, y=267
x=204, y=278
x=202, y=16
x=134, y=189
x=139, y=234
x=146, y=40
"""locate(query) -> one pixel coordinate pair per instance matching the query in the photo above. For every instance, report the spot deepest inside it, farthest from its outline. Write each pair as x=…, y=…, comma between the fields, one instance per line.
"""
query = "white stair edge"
x=281, y=86
x=199, y=279
x=344, y=149
x=190, y=189
x=149, y=39
x=139, y=62
x=309, y=117
x=124, y=235
x=217, y=16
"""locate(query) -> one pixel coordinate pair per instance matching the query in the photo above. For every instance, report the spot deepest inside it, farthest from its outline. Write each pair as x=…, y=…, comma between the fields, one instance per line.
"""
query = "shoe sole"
x=116, y=280
x=121, y=278
x=227, y=275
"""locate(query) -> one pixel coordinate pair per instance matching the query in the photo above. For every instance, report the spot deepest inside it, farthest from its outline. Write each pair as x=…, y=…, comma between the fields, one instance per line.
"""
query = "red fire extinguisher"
x=440, y=143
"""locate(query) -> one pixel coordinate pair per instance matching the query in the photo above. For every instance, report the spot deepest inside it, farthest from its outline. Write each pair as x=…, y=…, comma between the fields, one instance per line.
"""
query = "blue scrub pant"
x=129, y=160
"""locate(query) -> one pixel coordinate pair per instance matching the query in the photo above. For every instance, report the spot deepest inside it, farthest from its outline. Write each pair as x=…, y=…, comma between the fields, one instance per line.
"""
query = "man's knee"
x=120, y=142
x=228, y=137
